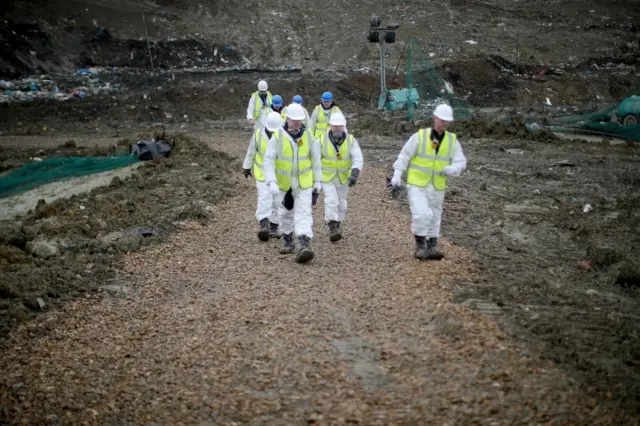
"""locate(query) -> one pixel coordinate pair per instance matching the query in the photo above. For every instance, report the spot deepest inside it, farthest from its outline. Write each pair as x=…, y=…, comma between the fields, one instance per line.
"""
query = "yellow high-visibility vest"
x=336, y=163
x=260, y=139
x=259, y=105
x=426, y=165
x=322, y=123
x=285, y=159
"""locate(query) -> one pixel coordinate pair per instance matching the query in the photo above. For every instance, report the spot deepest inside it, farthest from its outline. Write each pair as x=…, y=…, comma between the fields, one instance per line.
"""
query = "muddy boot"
x=263, y=233
x=304, y=252
x=273, y=230
x=287, y=244
x=432, y=253
x=421, y=248
x=335, y=234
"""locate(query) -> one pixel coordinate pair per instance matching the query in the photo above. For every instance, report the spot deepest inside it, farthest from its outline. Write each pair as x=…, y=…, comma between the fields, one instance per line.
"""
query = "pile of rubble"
x=84, y=82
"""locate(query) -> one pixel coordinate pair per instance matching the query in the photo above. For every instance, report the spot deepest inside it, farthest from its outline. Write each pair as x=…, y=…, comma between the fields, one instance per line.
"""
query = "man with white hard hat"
x=259, y=105
x=293, y=170
x=431, y=156
x=268, y=204
x=341, y=165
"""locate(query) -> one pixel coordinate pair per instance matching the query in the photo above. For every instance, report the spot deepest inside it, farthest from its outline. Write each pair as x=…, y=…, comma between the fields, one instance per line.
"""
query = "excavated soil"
x=68, y=247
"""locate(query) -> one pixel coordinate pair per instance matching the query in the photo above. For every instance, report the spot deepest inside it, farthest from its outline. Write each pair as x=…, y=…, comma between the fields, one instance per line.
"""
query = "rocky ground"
x=150, y=300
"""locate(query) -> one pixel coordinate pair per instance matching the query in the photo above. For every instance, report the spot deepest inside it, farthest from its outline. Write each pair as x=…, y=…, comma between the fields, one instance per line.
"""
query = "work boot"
x=273, y=230
x=304, y=252
x=335, y=234
x=263, y=233
x=421, y=248
x=432, y=253
x=287, y=244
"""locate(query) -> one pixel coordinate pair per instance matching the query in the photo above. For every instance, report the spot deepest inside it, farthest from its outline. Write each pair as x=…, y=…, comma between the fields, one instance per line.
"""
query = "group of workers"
x=293, y=157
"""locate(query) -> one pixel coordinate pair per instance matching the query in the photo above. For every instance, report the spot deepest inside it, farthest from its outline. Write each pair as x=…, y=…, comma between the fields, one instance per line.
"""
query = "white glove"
x=317, y=186
x=273, y=187
x=396, y=180
x=448, y=170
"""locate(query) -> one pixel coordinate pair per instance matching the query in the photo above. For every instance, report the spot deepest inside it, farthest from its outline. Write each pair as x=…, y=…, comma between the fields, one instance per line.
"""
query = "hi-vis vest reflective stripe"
x=322, y=123
x=426, y=165
x=336, y=162
x=259, y=105
x=284, y=161
x=260, y=139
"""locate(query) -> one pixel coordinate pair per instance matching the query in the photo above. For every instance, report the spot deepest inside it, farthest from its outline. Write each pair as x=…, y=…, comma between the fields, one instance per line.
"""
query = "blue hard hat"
x=276, y=101
x=327, y=96
x=297, y=99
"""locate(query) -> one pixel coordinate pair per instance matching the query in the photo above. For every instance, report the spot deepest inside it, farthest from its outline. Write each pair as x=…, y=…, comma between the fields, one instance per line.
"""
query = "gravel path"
x=215, y=327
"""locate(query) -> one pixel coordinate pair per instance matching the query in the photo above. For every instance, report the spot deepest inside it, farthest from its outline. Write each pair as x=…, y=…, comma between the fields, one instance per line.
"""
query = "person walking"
x=341, y=165
x=431, y=155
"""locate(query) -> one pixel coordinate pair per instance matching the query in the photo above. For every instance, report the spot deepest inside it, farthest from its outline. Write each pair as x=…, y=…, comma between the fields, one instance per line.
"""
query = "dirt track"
x=364, y=334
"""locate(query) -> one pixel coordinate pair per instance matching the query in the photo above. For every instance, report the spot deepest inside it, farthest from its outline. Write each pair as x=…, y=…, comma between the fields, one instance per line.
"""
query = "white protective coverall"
x=426, y=203
x=261, y=122
x=299, y=220
x=336, y=193
x=267, y=203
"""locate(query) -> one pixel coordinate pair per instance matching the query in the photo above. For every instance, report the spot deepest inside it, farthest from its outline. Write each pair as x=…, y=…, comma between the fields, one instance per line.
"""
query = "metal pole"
x=383, y=84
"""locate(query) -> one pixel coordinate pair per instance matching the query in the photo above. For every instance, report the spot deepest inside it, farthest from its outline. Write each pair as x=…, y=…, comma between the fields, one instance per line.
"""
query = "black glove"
x=247, y=173
x=395, y=192
x=314, y=197
x=354, y=177
x=288, y=200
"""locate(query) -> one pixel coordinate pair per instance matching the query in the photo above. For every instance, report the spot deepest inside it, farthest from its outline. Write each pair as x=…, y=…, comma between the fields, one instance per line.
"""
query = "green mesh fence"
x=619, y=121
x=423, y=75
x=38, y=173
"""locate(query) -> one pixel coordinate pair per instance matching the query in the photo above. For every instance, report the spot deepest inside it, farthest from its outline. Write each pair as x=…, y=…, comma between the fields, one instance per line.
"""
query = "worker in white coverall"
x=431, y=156
x=293, y=169
x=268, y=204
x=341, y=165
x=321, y=114
x=259, y=106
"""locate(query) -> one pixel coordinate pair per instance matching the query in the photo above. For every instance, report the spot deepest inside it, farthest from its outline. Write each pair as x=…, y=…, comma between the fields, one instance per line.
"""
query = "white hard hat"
x=263, y=86
x=274, y=121
x=337, y=119
x=295, y=112
x=444, y=112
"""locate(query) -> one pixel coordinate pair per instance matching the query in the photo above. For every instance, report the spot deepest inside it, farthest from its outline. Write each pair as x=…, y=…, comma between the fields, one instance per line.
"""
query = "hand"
x=396, y=180
x=252, y=122
x=247, y=173
x=317, y=187
x=448, y=170
x=354, y=177
x=273, y=187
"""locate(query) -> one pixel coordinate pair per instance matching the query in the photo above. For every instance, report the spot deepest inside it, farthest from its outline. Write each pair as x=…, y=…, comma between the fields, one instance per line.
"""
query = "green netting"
x=618, y=121
x=423, y=75
x=38, y=173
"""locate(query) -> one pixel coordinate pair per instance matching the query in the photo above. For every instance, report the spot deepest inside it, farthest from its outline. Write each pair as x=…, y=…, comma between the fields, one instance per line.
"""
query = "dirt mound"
x=390, y=124
x=67, y=248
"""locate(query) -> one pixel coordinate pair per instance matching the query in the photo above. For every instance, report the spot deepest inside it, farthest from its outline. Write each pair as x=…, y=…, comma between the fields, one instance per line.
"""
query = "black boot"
x=287, y=244
x=263, y=233
x=421, y=248
x=304, y=252
x=432, y=253
x=273, y=230
x=335, y=234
